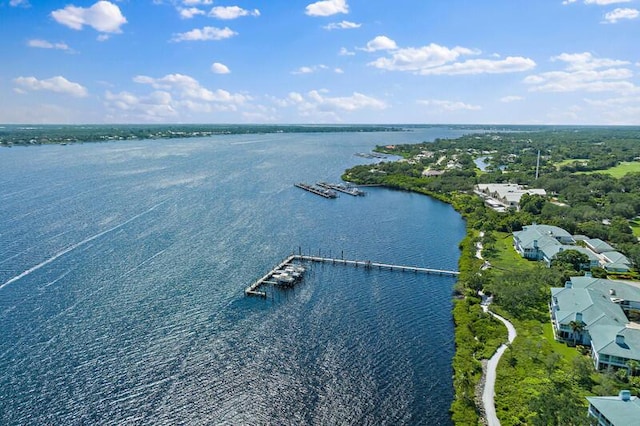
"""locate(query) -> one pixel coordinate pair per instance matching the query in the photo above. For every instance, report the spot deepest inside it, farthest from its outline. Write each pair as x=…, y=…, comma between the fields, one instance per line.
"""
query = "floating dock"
x=272, y=278
x=323, y=192
x=254, y=289
x=351, y=190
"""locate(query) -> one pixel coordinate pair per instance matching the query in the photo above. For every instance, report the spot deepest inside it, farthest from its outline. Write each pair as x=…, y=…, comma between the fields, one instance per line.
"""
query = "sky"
x=328, y=61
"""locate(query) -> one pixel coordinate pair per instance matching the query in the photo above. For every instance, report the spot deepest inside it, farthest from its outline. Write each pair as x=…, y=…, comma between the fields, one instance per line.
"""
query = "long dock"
x=342, y=188
x=254, y=289
x=369, y=264
x=323, y=192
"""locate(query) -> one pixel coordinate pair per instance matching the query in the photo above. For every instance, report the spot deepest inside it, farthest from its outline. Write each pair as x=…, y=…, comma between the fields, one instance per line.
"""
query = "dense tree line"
x=54, y=134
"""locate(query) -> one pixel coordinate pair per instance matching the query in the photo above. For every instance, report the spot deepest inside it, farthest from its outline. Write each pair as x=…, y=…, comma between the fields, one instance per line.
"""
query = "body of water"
x=123, y=265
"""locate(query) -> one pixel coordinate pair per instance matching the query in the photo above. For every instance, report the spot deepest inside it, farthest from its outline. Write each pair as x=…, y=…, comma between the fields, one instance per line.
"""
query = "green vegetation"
x=622, y=169
x=50, y=134
x=540, y=381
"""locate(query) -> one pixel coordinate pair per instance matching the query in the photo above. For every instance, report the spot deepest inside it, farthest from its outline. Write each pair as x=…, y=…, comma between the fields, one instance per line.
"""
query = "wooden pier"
x=370, y=265
x=254, y=289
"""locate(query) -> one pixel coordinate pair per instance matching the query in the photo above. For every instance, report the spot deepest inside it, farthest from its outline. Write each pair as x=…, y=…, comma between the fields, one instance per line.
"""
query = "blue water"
x=123, y=265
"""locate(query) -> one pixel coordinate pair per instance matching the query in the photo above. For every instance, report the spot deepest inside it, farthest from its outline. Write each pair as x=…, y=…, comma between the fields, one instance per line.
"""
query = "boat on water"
x=283, y=278
x=347, y=189
x=324, y=192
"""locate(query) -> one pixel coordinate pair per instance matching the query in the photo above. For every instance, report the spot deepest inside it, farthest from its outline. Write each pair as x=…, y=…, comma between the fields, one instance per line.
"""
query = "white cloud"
x=345, y=52
x=153, y=107
x=583, y=72
x=196, y=2
x=187, y=87
x=354, y=102
x=509, y=99
x=190, y=12
x=344, y=25
x=309, y=70
x=617, y=14
x=597, y=2
x=435, y=59
x=23, y=3
x=44, y=44
x=623, y=110
x=218, y=68
x=56, y=84
x=380, y=43
x=449, y=105
x=318, y=107
x=482, y=66
x=206, y=33
x=586, y=61
x=296, y=97
x=338, y=70
x=605, y=2
x=103, y=16
x=232, y=12
x=327, y=8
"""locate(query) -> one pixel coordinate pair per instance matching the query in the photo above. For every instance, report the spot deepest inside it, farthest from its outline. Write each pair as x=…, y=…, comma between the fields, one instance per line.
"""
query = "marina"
x=287, y=273
x=351, y=190
x=323, y=192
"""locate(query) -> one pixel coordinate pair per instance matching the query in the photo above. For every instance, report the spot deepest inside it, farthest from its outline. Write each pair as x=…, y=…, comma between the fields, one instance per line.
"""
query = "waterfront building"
x=594, y=312
x=621, y=410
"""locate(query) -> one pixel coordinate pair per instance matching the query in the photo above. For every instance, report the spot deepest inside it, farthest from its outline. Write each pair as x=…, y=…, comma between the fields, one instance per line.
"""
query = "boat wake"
x=76, y=245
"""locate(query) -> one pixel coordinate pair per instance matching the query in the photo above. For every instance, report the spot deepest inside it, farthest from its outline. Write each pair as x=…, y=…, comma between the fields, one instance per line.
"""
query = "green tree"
x=570, y=259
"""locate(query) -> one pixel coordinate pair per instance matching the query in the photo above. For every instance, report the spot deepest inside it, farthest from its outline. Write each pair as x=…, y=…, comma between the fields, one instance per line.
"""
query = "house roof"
x=616, y=410
x=533, y=232
x=616, y=257
x=509, y=191
x=617, y=267
x=626, y=290
x=552, y=249
x=598, y=245
x=604, y=340
x=595, y=307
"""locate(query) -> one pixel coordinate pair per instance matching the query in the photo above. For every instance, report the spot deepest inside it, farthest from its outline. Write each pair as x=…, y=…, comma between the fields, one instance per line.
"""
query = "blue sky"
x=328, y=61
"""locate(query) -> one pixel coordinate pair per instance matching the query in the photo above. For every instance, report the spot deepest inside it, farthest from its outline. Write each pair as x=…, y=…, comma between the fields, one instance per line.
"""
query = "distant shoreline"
x=30, y=135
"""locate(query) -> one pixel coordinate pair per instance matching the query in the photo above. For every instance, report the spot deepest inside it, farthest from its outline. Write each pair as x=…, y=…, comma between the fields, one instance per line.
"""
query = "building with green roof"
x=621, y=410
x=593, y=311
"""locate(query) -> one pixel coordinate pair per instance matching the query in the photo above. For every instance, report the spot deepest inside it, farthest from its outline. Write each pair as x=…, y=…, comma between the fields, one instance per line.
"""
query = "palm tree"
x=576, y=327
x=633, y=366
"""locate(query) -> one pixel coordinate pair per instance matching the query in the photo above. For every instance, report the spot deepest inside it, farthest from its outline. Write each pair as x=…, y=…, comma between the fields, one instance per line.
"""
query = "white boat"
x=283, y=277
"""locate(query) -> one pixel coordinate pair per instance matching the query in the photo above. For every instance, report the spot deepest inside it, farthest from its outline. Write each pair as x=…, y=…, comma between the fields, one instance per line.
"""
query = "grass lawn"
x=621, y=169
x=568, y=353
x=635, y=226
x=505, y=257
x=571, y=161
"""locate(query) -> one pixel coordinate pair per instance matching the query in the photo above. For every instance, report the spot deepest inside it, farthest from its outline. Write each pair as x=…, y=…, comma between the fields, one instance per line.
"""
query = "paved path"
x=488, y=393
x=490, y=381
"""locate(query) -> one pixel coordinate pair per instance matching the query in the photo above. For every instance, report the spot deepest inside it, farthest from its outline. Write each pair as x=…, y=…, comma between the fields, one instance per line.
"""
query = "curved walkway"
x=488, y=392
x=490, y=380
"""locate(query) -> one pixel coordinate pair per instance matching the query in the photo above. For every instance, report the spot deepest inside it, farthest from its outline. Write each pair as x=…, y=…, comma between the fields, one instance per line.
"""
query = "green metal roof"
x=604, y=341
x=617, y=411
x=599, y=245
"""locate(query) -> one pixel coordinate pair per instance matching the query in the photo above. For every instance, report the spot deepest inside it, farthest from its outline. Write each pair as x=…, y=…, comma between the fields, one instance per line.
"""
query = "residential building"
x=593, y=312
x=509, y=194
x=541, y=242
x=621, y=410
